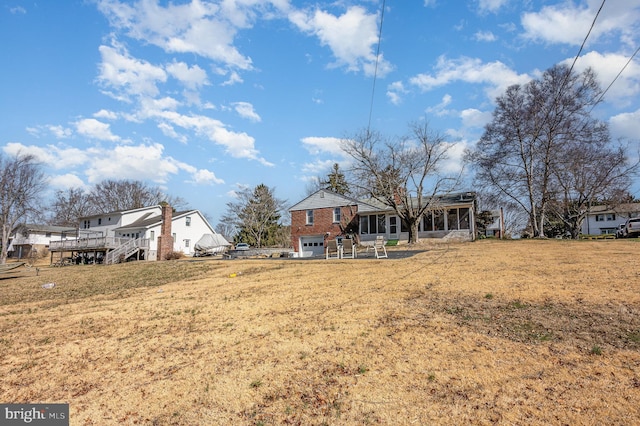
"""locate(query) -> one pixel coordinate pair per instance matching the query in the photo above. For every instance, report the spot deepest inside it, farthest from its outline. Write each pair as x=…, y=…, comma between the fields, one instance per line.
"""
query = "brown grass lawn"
x=514, y=333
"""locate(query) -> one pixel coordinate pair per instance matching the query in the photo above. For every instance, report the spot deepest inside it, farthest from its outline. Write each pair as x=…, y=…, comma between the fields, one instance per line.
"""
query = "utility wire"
x=584, y=42
x=375, y=72
x=614, y=80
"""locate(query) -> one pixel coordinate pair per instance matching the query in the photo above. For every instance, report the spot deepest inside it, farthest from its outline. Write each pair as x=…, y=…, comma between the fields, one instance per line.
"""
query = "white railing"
x=126, y=249
x=87, y=243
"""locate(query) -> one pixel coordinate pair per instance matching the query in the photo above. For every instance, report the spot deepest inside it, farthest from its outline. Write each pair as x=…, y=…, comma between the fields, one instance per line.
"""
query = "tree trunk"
x=413, y=230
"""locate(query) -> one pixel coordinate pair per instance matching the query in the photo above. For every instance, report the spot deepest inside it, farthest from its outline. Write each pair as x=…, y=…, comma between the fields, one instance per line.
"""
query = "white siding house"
x=606, y=219
x=27, y=240
x=186, y=228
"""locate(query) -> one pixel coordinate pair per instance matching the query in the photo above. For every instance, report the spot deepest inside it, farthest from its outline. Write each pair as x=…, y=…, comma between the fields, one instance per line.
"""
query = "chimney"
x=165, y=240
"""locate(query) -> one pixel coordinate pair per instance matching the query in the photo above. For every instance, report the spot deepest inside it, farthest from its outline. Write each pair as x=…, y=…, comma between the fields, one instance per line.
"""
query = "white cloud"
x=626, y=125
x=50, y=155
x=94, y=129
x=352, y=37
x=107, y=115
x=491, y=5
x=455, y=161
x=568, y=22
x=205, y=28
x=66, y=181
x=245, y=110
x=440, y=109
x=607, y=66
x=128, y=76
x=474, y=118
x=485, y=36
x=191, y=77
x=395, y=91
x=317, y=145
x=144, y=162
x=169, y=131
x=206, y=177
x=316, y=168
x=495, y=75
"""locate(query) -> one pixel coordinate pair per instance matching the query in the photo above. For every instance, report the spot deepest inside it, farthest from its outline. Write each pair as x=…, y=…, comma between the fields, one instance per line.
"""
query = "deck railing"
x=92, y=243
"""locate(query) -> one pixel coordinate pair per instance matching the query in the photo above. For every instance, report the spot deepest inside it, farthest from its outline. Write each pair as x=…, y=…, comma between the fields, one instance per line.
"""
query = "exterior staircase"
x=125, y=250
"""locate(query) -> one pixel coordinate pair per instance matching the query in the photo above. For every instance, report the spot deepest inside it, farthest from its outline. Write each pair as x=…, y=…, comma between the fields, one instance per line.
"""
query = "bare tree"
x=68, y=206
x=521, y=152
x=21, y=184
x=256, y=214
x=582, y=179
x=114, y=195
x=403, y=174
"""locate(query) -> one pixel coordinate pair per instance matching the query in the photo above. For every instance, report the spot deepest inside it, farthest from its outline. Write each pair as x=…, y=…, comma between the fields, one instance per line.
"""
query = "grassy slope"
x=528, y=332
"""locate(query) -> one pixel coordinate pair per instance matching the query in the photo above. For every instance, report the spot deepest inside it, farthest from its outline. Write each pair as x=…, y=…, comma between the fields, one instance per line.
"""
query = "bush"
x=174, y=255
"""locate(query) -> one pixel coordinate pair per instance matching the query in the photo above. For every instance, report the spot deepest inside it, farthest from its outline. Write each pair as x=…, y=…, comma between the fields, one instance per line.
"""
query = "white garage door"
x=312, y=246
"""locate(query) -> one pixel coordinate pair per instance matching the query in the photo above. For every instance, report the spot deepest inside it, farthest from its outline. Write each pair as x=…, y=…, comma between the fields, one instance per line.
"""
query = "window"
x=364, y=225
x=611, y=216
x=438, y=220
x=336, y=215
x=393, y=224
x=382, y=224
x=464, y=218
x=187, y=242
x=427, y=221
x=173, y=236
x=188, y=221
x=373, y=224
x=152, y=235
x=309, y=217
x=47, y=234
x=452, y=219
x=99, y=221
x=599, y=218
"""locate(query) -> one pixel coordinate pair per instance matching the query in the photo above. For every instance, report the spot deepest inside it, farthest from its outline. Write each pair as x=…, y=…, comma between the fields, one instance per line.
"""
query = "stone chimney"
x=165, y=240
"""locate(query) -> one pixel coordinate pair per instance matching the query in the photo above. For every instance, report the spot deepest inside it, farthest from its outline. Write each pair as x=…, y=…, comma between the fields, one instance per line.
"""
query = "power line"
x=375, y=72
x=616, y=77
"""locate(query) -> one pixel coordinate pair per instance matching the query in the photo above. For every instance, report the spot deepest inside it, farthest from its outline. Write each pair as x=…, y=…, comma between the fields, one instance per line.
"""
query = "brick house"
x=321, y=216
x=325, y=215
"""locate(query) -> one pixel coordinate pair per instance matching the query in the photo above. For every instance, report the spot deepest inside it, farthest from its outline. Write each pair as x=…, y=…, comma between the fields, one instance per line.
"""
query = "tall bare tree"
x=69, y=205
x=522, y=151
x=113, y=195
x=404, y=174
x=21, y=184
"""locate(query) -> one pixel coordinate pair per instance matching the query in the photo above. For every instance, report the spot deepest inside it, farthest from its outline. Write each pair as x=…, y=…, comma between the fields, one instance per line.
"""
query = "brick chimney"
x=165, y=240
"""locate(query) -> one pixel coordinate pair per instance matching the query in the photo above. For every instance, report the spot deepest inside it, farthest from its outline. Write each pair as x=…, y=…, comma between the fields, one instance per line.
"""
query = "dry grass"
x=526, y=332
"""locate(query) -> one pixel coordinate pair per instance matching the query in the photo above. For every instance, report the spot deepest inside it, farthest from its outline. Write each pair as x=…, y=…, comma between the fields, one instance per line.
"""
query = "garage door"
x=312, y=246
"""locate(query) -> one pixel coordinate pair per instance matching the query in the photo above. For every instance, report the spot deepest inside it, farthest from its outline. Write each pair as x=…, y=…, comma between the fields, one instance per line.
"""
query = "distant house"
x=606, y=219
x=325, y=215
x=27, y=240
x=138, y=233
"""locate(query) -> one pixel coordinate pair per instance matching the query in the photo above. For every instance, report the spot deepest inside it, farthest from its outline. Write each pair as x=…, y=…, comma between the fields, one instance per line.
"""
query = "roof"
x=372, y=205
x=46, y=228
x=119, y=212
x=324, y=198
x=620, y=208
x=148, y=221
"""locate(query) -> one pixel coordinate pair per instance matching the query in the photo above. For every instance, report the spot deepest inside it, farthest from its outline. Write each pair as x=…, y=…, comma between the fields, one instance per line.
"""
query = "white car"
x=632, y=227
x=242, y=246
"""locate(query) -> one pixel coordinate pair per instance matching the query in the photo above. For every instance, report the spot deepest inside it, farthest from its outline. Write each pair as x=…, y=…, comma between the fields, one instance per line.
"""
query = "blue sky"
x=205, y=97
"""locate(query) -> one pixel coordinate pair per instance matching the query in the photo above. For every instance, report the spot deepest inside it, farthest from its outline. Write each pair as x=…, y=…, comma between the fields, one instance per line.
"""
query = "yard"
x=507, y=332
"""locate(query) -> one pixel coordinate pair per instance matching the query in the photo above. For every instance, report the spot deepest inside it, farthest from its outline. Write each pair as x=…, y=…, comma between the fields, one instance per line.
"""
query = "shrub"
x=173, y=255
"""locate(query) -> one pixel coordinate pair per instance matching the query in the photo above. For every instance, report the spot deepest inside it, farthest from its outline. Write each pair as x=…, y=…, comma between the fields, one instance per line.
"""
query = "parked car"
x=242, y=246
x=620, y=231
x=632, y=227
